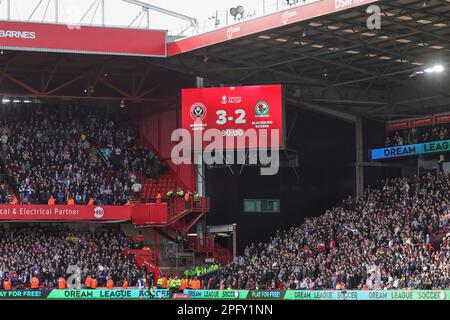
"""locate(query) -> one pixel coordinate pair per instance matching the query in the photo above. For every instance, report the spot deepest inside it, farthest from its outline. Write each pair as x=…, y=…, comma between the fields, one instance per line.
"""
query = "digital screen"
x=411, y=150
x=136, y=294
x=250, y=116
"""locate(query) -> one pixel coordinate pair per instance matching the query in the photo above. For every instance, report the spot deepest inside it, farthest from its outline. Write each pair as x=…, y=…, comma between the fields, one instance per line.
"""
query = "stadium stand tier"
x=47, y=253
x=92, y=190
x=395, y=237
x=53, y=151
x=417, y=135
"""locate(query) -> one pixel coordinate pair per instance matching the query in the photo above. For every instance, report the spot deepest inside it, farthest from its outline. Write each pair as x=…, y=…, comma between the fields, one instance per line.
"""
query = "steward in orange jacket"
x=88, y=282
x=91, y=202
x=14, y=201
x=158, y=197
x=34, y=283
x=94, y=283
x=184, y=284
x=7, y=284
x=164, y=282
x=125, y=284
x=71, y=202
x=196, y=284
x=51, y=201
x=62, y=284
x=109, y=284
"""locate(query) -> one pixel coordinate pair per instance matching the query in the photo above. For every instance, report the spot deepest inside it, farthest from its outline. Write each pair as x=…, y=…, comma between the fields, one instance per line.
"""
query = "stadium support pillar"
x=200, y=176
x=103, y=12
x=56, y=11
x=359, y=158
x=8, y=9
x=234, y=241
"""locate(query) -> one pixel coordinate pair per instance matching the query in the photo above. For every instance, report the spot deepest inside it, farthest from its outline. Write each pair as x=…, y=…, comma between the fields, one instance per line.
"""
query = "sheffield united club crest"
x=198, y=111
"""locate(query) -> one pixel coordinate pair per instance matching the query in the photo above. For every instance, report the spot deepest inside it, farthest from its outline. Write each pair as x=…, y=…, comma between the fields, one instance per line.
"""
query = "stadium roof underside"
x=335, y=64
x=44, y=75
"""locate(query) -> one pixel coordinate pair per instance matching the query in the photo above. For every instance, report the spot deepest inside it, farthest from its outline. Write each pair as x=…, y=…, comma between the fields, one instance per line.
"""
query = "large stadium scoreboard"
x=244, y=117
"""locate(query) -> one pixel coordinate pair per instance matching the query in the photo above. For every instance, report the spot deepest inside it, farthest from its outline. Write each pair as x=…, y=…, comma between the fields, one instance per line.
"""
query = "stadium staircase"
x=209, y=248
x=93, y=156
x=181, y=215
x=437, y=237
x=144, y=258
x=10, y=190
x=6, y=181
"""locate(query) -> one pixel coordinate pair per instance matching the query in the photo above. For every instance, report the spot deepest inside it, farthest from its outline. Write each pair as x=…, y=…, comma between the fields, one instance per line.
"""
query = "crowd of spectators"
x=381, y=241
x=48, y=151
x=48, y=252
x=418, y=135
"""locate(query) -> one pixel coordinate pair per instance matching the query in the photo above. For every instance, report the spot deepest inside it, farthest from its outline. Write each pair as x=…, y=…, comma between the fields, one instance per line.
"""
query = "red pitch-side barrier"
x=65, y=213
x=156, y=214
x=150, y=213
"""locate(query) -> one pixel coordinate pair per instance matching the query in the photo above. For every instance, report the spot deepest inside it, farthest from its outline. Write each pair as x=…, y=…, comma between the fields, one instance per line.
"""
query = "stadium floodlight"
x=17, y=101
x=235, y=11
x=122, y=103
x=438, y=68
x=241, y=10
x=6, y=100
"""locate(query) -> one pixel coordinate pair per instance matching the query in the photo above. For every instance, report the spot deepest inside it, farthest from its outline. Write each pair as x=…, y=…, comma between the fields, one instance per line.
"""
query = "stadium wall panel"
x=326, y=150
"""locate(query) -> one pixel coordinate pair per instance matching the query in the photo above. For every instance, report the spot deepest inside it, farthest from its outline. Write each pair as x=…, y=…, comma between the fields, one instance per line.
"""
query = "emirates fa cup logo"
x=287, y=15
x=73, y=14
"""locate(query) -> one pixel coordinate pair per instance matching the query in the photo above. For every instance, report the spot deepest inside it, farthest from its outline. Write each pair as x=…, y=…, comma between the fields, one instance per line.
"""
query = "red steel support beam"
x=20, y=83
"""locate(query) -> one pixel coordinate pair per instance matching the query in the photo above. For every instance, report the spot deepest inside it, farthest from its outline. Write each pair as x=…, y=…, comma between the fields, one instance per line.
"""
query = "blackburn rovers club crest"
x=198, y=111
x=262, y=109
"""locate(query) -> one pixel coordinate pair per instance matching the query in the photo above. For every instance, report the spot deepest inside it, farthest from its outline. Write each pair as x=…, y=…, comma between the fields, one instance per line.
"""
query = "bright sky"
x=121, y=13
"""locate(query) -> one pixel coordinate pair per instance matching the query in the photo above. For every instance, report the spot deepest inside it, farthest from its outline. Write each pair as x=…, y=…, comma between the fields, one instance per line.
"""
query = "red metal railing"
x=145, y=259
x=205, y=245
x=178, y=207
x=152, y=214
x=210, y=248
x=10, y=191
x=201, y=204
x=439, y=234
